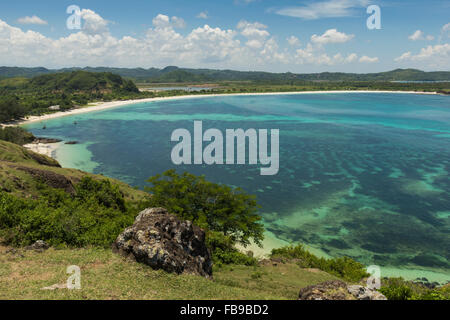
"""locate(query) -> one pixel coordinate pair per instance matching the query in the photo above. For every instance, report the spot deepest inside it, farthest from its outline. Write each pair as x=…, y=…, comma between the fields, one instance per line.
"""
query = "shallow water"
x=361, y=174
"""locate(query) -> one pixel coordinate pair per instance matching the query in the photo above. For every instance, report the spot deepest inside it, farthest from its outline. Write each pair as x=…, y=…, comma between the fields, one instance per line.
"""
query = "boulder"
x=328, y=290
x=39, y=246
x=365, y=293
x=339, y=290
x=162, y=241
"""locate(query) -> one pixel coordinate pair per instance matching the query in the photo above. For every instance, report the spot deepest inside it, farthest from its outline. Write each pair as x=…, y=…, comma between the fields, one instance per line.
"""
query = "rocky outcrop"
x=162, y=241
x=50, y=178
x=339, y=290
x=39, y=246
x=365, y=293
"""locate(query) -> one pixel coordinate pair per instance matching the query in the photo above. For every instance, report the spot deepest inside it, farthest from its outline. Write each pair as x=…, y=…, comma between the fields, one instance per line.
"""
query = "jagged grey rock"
x=162, y=241
x=339, y=290
x=39, y=245
x=365, y=293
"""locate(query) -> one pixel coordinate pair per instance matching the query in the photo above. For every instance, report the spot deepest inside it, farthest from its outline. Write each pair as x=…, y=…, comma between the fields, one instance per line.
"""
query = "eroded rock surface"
x=162, y=241
x=339, y=290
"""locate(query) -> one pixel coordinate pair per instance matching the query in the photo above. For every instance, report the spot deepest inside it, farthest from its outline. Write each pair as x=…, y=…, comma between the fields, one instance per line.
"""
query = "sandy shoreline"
x=114, y=104
x=47, y=149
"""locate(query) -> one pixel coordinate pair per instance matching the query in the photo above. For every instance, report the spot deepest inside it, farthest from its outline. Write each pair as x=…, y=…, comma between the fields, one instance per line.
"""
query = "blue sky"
x=278, y=36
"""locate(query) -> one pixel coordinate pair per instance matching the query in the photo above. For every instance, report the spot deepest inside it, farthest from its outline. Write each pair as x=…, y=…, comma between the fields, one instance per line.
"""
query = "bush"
x=400, y=289
x=16, y=135
x=224, y=252
x=228, y=215
x=94, y=216
x=344, y=267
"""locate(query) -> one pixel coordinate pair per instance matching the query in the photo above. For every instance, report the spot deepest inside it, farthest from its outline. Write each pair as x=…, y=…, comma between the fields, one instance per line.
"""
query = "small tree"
x=215, y=207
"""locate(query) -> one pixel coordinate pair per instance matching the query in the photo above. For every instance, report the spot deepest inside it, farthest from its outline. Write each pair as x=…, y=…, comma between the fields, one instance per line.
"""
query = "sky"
x=257, y=35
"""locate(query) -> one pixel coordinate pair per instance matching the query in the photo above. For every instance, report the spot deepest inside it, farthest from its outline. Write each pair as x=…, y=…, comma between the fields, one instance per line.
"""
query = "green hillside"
x=22, y=173
x=21, y=96
x=175, y=74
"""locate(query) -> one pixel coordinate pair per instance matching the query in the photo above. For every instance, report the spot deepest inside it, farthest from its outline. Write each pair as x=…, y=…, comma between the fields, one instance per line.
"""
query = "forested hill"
x=23, y=96
x=175, y=74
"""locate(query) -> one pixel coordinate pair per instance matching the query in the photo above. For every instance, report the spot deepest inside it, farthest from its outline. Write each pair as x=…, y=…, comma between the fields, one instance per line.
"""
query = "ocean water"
x=364, y=175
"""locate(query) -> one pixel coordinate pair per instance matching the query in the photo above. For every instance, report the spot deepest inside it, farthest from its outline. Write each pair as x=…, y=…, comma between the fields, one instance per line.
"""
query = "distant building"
x=57, y=107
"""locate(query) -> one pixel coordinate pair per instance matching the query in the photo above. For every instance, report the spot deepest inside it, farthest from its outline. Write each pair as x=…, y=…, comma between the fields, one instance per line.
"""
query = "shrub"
x=400, y=289
x=224, y=252
x=344, y=267
x=16, y=135
x=228, y=215
x=94, y=216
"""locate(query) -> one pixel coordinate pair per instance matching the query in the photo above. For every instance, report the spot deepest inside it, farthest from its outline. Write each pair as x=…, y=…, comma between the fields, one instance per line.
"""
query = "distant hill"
x=82, y=81
x=174, y=74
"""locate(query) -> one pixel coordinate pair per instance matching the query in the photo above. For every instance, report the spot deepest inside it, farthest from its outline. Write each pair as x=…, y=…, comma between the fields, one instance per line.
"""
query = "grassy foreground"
x=105, y=275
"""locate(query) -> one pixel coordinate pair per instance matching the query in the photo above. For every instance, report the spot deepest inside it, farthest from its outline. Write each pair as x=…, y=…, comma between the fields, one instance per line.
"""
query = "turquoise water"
x=361, y=174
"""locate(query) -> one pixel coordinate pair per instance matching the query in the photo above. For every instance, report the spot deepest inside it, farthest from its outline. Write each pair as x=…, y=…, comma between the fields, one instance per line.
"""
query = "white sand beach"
x=47, y=149
x=98, y=106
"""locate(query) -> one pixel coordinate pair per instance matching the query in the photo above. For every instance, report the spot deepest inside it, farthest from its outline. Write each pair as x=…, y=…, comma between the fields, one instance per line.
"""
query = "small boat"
x=44, y=127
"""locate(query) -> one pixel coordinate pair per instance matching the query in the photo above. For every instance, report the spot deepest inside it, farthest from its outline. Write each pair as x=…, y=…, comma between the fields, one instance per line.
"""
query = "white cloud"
x=446, y=30
x=293, y=41
x=420, y=35
x=433, y=56
x=162, y=45
x=351, y=58
x=324, y=9
x=366, y=59
x=405, y=56
x=316, y=56
x=162, y=21
x=253, y=29
x=93, y=23
x=32, y=20
x=203, y=15
x=331, y=36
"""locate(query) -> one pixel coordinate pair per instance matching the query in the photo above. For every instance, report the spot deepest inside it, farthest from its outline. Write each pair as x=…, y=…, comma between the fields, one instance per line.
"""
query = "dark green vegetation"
x=343, y=267
x=94, y=214
x=228, y=215
x=21, y=96
x=399, y=289
x=175, y=74
x=16, y=135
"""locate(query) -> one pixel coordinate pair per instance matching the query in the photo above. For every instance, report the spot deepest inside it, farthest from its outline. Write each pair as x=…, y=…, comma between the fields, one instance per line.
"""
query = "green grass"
x=15, y=177
x=105, y=275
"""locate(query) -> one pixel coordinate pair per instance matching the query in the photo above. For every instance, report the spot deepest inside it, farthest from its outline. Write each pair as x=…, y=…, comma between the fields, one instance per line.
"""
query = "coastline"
x=114, y=104
x=47, y=149
x=271, y=242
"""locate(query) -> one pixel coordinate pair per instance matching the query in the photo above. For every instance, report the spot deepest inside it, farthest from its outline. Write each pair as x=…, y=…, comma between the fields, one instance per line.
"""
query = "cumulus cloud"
x=163, y=21
x=315, y=55
x=293, y=41
x=331, y=36
x=203, y=15
x=446, y=30
x=252, y=29
x=324, y=9
x=249, y=45
x=420, y=35
x=434, y=56
x=351, y=58
x=32, y=20
x=93, y=23
x=366, y=59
